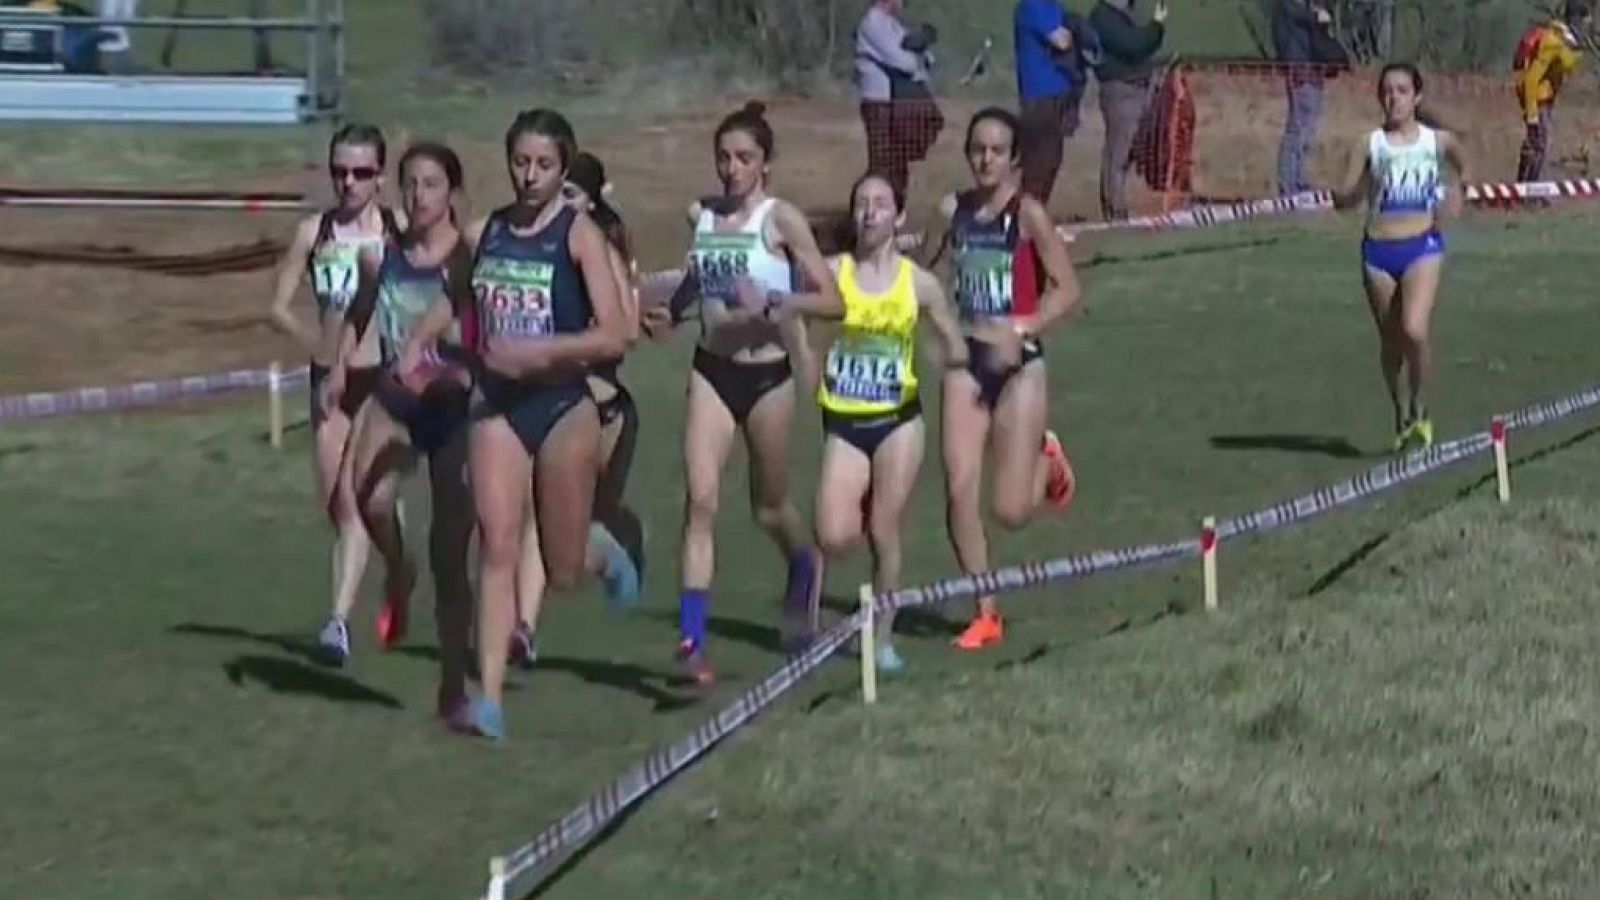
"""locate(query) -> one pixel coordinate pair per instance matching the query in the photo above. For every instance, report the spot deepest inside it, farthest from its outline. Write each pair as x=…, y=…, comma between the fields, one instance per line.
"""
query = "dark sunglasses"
x=359, y=173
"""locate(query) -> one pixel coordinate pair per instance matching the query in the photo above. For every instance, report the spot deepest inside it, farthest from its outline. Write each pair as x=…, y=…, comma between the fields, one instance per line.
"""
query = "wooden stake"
x=1208, y=557
x=869, y=648
x=497, y=879
x=275, y=405
x=1502, y=469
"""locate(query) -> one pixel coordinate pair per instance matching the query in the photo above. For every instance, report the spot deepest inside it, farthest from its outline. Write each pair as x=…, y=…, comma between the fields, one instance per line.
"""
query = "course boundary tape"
x=78, y=401
x=534, y=861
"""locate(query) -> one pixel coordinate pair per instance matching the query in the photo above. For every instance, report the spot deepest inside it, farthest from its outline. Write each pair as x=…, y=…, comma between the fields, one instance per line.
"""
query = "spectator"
x=1302, y=37
x=897, y=106
x=1054, y=51
x=1128, y=56
x=1545, y=57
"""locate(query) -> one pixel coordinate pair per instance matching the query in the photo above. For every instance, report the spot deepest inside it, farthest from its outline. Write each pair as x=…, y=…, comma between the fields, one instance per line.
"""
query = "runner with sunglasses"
x=326, y=250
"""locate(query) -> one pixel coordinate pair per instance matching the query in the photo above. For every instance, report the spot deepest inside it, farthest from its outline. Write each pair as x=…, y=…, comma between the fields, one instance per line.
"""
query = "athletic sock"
x=693, y=605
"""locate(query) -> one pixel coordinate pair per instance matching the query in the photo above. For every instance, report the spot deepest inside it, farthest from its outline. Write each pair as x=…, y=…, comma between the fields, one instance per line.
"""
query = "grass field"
x=168, y=737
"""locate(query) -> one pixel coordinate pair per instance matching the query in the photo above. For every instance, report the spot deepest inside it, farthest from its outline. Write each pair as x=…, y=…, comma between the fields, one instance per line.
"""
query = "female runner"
x=1013, y=281
x=1398, y=171
x=547, y=308
x=742, y=380
x=419, y=405
x=872, y=413
x=325, y=249
x=588, y=190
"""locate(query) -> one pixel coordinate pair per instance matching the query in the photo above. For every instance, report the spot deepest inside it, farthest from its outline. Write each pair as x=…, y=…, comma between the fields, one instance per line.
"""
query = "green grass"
x=166, y=738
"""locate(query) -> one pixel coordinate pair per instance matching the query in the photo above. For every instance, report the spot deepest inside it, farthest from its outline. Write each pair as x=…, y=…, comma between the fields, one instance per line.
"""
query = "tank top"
x=871, y=367
x=528, y=287
x=334, y=264
x=1405, y=179
x=998, y=271
x=718, y=258
x=406, y=292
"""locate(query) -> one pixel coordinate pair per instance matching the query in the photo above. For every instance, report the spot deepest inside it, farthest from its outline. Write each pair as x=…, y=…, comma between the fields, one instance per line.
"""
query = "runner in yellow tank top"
x=870, y=408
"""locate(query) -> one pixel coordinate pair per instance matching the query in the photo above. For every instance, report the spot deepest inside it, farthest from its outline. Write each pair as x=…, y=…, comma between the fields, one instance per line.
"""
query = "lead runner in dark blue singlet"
x=547, y=309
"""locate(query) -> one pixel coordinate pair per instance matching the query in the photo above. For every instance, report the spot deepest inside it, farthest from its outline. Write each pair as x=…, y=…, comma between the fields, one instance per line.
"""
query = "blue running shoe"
x=487, y=719
x=889, y=660
x=618, y=570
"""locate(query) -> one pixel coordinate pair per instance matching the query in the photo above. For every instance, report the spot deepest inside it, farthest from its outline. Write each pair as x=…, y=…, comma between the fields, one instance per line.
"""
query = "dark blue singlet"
x=405, y=294
x=528, y=288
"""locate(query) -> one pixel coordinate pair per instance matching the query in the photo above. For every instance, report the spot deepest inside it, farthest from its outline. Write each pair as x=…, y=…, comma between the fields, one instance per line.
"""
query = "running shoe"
x=692, y=656
x=618, y=569
x=524, y=650
x=455, y=711
x=802, y=603
x=629, y=531
x=1423, y=430
x=888, y=659
x=334, y=641
x=394, y=617
x=1062, y=483
x=986, y=630
x=487, y=720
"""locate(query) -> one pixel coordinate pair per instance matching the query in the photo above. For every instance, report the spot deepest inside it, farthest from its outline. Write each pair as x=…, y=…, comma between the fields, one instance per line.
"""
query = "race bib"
x=401, y=305
x=983, y=285
x=718, y=260
x=866, y=369
x=513, y=297
x=335, y=272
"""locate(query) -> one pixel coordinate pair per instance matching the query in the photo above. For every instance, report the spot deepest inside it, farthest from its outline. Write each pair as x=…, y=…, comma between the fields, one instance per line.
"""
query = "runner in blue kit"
x=742, y=381
x=325, y=252
x=548, y=308
x=419, y=405
x=1013, y=281
x=588, y=190
x=1400, y=171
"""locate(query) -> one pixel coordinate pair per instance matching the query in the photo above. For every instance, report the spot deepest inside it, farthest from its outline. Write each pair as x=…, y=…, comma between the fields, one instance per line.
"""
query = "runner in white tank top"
x=745, y=243
x=1400, y=171
x=325, y=252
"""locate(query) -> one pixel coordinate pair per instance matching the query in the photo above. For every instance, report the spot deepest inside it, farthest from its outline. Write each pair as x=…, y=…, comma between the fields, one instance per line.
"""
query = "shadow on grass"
x=1323, y=445
x=1371, y=545
x=655, y=686
x=292, y=644
x=287, y=676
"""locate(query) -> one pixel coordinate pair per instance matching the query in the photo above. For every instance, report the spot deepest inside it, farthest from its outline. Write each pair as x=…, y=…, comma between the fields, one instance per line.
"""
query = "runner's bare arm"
x=1357, y=181
x=1460, y=166
x=362, y=307
x=286, y=282
x=822, y=300
x=1062, y=295
x=627, y=291
x=941, y=315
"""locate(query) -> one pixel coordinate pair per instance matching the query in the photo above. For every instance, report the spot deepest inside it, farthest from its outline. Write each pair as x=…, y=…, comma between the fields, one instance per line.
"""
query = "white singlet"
x=1405, y=179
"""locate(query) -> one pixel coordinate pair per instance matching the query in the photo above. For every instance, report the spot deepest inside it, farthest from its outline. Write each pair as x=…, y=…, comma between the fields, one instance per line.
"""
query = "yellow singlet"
x=871, y=367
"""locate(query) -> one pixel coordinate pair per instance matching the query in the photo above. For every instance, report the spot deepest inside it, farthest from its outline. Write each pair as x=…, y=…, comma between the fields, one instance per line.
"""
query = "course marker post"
x=869, y=648
x=1208, y=559
x=275, y=405
x=497, y=879
x=1502, y=469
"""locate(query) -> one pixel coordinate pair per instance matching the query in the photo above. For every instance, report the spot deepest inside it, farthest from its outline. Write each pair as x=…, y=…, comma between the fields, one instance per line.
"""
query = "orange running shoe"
x=1062, y=482
x=986, y=630
x=394, y=617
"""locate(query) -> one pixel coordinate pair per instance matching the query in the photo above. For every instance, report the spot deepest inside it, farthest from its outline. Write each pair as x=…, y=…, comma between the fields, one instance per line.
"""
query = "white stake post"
x=1502, y=469
x=869, y=648
x=275, y=405
x=1208, y=557
x=497, y=879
